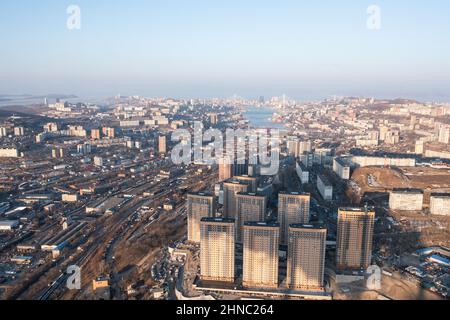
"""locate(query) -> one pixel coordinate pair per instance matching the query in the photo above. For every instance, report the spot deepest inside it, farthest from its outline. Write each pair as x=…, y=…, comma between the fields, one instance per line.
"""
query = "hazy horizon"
x=8, y=100
x=308, y=51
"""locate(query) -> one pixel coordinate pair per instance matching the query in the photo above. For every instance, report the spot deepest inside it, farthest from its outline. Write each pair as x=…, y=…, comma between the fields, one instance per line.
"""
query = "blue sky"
x=206, y=48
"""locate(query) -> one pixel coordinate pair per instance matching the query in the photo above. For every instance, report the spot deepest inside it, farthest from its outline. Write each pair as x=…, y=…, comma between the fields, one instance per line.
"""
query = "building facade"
x=298, y=147
x=95, y=134
x=440, y=204
x=250, y=207
x=252, y=182
x=354, y=238
x=230, y=189
x=306, y=257
x=229, y=168
x=406, y=200
x=325, y=188
x=162, y=145
x=260, y=265
x=302, y=173
x=217, y=247
x=293, y=208
x=225, y=171
x=199, y=205
x=9, y=153
x=341, y=169
x=19, y=131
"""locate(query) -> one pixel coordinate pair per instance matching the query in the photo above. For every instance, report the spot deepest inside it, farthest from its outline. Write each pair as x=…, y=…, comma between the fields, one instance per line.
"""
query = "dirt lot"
x=391, y=288
x=375, y=179
x=374, y=184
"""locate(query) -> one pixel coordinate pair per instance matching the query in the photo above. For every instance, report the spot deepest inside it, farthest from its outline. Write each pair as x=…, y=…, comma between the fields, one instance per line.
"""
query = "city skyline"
x=359, y=193
x=307, y=51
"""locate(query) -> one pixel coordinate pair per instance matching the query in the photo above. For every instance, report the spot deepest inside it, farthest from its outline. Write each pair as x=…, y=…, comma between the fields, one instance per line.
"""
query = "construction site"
x=374, y=186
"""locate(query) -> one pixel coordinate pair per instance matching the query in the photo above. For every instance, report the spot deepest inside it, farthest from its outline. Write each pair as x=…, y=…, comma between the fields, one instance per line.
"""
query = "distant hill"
x=27, y=99
x=403, y=101
x=39, y=96
x=5, y=113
